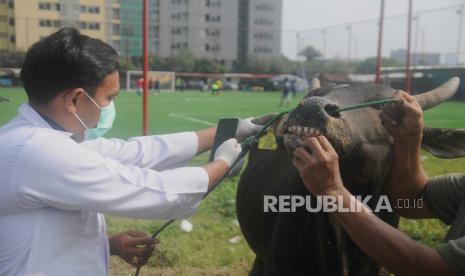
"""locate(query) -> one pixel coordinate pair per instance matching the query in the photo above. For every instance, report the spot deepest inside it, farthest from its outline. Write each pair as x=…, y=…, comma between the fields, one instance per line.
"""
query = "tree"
x=12, y=59
x=277, y=65
x=205, y=65
x=336, y=66
x=184, y=61
x=310, y=53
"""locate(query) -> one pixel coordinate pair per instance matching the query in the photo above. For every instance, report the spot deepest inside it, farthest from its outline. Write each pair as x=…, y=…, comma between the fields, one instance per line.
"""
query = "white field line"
x=192, y=119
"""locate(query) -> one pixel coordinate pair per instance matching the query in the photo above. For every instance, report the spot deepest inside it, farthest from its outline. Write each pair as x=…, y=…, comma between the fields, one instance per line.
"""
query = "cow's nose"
x=321, y=106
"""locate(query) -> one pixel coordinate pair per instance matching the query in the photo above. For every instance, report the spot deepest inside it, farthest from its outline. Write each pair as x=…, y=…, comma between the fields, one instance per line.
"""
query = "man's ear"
x=72, y=98
x=444, y=142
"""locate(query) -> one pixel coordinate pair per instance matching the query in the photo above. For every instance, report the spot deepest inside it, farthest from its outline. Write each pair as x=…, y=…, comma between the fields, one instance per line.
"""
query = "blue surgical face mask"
x=107, y=116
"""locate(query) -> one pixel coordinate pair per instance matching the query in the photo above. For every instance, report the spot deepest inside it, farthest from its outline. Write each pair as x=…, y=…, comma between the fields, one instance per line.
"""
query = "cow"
x=312, y=243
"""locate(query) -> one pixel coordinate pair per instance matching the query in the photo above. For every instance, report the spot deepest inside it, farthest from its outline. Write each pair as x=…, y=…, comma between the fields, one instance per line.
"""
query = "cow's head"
x=362, y=143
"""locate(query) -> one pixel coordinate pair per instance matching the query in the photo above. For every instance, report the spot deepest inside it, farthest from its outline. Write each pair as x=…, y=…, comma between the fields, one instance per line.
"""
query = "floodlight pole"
x=380, y=44
x=408, y=72
x=459, y=37
x=145, y=15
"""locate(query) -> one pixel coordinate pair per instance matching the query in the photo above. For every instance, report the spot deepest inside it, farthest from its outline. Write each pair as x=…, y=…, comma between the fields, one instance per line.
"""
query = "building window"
x=264, y=7
x=49, y=6
x=116, y=29
x=263, y=21
x=212, y=33
x=116, y=14
x=263, y=50
x=11, y=21
x=94, y=26
x=56, y=23
x=12, y=38
x=207, y=47
x=89, y=9
x=45, y=23
x=45, y=6
x=83, y=25
x=213, y=3
x=266, y=36
x=11, y=5
x=3, y=18
x=212, y=18
x=93, y=9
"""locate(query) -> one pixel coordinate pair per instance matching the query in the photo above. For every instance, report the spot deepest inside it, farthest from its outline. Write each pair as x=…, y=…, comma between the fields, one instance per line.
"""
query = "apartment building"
x=25, y=22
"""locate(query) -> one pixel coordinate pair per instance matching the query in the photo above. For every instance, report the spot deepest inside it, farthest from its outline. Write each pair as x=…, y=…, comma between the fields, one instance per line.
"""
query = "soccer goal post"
x=166, y=80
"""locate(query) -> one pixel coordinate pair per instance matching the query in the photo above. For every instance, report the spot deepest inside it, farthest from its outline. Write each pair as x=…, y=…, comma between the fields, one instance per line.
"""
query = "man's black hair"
x=64, y=60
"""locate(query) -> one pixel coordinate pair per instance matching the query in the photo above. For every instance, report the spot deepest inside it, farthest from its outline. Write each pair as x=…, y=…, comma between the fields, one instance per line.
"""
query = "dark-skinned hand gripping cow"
x=305, y=243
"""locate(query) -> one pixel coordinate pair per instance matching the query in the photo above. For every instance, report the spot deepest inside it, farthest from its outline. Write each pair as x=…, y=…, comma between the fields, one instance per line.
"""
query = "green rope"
x=367, y=104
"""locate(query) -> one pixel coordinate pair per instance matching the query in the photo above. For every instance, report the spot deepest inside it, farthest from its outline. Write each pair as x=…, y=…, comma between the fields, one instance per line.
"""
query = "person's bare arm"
x=404, y=121
x=206, y=138
x=215, y=171
x=386, y=245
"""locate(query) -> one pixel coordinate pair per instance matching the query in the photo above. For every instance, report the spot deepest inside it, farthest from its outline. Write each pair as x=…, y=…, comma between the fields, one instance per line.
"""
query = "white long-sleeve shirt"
x=54, y=190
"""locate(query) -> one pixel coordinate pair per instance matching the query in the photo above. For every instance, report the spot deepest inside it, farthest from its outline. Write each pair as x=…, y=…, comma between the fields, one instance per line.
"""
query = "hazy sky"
x=437, y=31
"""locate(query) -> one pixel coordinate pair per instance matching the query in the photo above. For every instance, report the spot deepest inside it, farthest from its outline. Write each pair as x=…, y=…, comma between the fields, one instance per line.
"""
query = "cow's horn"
x=434, y=97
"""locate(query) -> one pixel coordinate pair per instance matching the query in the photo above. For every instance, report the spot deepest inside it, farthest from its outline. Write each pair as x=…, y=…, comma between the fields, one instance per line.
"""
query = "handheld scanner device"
x=225, y=130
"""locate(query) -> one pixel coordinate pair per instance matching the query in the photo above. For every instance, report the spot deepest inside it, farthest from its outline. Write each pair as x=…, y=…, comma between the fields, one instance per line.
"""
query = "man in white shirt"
x=58, y=175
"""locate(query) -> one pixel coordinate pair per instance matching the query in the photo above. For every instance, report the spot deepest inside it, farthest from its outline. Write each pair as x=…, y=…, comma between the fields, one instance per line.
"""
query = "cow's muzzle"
x=310, y=118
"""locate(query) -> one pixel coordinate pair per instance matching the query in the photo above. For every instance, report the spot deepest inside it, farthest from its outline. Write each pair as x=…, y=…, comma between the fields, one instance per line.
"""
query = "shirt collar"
x=31, y=115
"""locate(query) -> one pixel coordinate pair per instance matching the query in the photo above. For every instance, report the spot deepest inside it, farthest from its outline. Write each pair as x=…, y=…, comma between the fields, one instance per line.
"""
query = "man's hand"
x=247, y=128
x=403, y=120
x=134, y=247
x=318, y=168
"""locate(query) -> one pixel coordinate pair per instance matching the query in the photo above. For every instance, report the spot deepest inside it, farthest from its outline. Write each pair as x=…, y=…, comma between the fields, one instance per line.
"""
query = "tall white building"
x=228, y=31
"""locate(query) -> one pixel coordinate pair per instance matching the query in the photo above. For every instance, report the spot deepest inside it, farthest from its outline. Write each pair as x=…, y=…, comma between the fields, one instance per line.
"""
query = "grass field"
x=206, y=250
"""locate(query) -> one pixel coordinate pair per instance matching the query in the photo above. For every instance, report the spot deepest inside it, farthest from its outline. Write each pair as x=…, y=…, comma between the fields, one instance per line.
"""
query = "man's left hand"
x=134, y=247
x=247, y=128
x=319, y=167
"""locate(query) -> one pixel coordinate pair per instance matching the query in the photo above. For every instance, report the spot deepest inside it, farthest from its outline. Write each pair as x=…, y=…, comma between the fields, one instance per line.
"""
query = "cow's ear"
x=444, y=142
